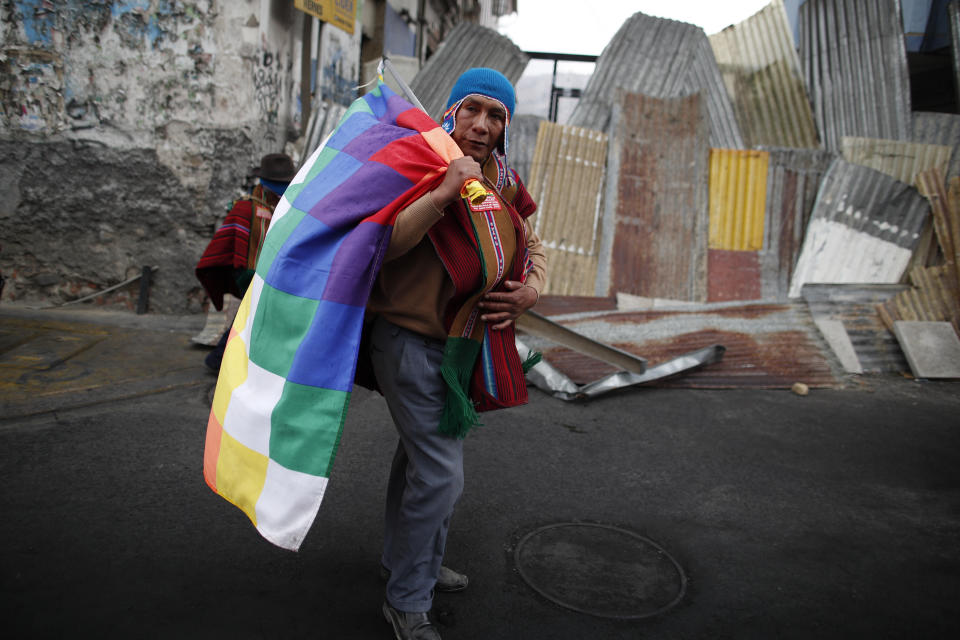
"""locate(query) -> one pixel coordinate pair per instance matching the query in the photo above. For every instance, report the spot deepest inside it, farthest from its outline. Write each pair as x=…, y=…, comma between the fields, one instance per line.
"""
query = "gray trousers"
x=426, y=478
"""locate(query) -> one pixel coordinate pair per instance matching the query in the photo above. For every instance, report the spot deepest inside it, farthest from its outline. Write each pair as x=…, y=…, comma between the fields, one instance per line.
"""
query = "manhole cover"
x=600, y=570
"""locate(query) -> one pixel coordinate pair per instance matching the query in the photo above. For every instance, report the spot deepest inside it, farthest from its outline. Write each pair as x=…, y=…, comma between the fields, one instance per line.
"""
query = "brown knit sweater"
x=413, y=287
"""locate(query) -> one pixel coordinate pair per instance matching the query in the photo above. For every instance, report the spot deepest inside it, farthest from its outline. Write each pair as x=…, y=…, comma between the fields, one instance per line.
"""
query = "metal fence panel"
x=864, y=228
x=855, y=65
x=524, y=130
x=761, y=70
x=655, y=222
x=899, y=160
x=793, y=179
x=874, y=346
x=939, y=128
x=662, y=59
x=738, y=199
x=566, y=181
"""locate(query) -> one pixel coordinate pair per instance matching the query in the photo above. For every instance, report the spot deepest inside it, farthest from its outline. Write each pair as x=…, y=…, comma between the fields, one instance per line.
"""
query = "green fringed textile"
x=532, y=359
x=459, y=414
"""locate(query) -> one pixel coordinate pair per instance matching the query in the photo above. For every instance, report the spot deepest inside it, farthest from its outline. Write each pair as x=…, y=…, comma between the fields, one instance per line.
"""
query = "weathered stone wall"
x=127, y=126
x=87, y=216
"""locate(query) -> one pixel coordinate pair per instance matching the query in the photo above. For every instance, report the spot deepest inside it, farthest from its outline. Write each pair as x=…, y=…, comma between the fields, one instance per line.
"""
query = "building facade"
x=129, y=126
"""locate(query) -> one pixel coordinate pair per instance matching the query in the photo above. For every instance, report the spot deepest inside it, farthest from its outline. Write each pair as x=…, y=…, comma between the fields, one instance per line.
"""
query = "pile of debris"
x=777, y=197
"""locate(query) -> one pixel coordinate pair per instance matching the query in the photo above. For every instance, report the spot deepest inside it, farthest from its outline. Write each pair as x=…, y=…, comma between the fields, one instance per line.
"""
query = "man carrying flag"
x=373, y=232
x=455, y=276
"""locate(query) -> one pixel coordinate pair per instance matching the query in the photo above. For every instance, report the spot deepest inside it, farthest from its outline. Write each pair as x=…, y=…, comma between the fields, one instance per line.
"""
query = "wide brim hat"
x=276, y=167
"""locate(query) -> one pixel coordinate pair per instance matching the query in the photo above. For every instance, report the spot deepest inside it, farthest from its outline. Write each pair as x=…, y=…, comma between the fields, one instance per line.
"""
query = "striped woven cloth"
x=288, y=370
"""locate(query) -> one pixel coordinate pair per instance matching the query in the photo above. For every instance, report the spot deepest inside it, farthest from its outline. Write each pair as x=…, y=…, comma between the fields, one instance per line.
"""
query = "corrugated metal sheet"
x=939, y=128
x=566, y=181
x=928, y=252
x=738, y=199
x=934, y=298
x=760, y=67
x=733, y=275
x=523, y=143
x=855, y=306
x=793, y=179
x=899, y=160
x=855, y=65
x=655, y=222
x=946, y=215
x=550, y=305
x=864, y=228
x=953, y=213
x=662, y=59
x=768, y=346
x=467, y=45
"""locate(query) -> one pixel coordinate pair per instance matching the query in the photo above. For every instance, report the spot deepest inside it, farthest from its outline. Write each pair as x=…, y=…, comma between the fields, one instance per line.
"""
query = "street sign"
x=340, y=13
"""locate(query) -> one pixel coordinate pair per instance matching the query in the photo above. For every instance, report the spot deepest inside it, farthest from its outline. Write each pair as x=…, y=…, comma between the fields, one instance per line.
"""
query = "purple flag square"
x=374, y=140
x=372, y=187
x=356, y=264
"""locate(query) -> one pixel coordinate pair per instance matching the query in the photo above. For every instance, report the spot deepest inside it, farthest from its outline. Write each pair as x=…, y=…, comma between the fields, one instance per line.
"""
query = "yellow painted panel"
x=738, y=199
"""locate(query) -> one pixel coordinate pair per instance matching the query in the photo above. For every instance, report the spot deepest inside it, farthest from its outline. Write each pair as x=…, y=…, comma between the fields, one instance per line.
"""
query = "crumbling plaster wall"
x=127, y=127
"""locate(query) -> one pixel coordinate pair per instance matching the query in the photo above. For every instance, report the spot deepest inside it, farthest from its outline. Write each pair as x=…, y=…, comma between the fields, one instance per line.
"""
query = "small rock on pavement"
x=800, y=389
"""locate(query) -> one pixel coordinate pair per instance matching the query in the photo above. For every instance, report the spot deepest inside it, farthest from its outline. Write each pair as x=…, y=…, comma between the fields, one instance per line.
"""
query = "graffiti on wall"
x=30, y=89
x=74, y=64
x=267, y=85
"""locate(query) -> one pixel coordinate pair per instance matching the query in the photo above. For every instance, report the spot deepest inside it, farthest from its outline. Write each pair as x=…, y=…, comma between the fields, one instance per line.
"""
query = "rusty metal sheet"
x=566, y=181
x=760, y=67
x=467, y=45
x=656, y=221
x=663, y=59
x=733, y=275
x=854, y=61
x=898, y=159
x=864, y=228
x=768, y=346
x=738, y=199
x=855, y=307
x=550, y=305
x=793, y=178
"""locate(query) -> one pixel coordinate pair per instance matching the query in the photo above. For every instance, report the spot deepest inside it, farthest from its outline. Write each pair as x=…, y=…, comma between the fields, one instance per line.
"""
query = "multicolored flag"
x=289, y=364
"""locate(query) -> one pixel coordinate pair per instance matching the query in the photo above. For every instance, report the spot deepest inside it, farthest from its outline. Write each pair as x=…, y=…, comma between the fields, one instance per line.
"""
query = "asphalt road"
x=835, y=515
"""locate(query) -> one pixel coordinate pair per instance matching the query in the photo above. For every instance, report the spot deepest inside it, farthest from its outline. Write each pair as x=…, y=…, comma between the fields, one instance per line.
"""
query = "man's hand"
x=459, y=171
x=503, y=307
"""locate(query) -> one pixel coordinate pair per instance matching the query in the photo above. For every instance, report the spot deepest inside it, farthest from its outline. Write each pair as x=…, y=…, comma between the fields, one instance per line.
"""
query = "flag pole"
x=472, y=189
x=407, y=91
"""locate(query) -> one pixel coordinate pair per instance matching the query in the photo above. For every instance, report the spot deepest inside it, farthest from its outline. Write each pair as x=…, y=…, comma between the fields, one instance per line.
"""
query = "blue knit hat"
x=489, y=83
x=486, y=82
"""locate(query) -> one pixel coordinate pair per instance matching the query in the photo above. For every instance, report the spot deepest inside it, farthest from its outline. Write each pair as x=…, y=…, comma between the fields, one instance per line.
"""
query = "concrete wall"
x=127, y=126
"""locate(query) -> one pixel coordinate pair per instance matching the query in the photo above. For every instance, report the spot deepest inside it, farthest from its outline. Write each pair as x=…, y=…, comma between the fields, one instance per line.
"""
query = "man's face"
x=480, y=123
